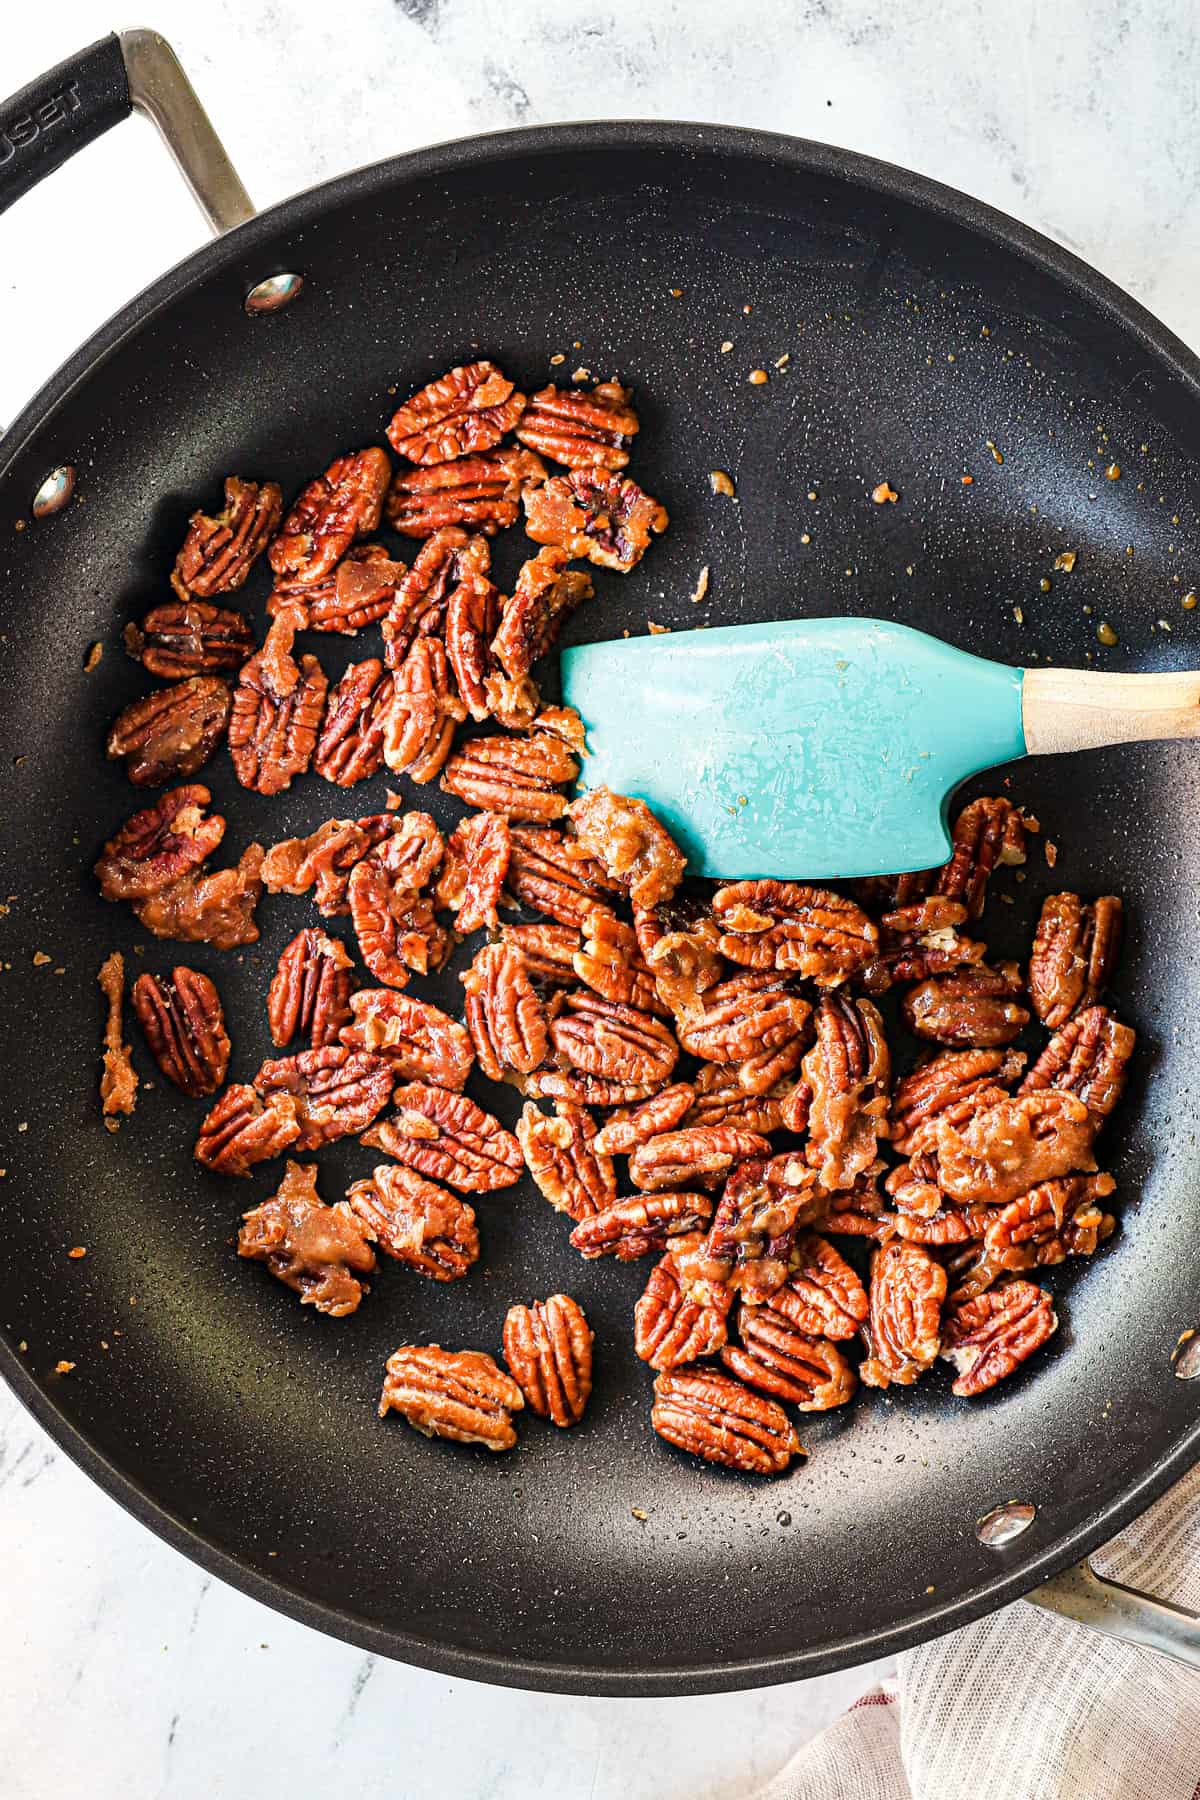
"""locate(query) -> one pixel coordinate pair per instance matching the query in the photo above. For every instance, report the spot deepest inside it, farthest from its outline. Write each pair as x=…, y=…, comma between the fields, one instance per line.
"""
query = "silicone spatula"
x=825, y=748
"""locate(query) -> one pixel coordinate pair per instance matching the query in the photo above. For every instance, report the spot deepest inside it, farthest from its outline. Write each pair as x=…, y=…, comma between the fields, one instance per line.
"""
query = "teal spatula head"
x=810, y=748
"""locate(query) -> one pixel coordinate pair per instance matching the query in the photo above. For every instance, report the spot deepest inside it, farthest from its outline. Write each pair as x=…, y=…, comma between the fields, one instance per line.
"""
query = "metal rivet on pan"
x=1004, y=1523
x=271, y=295
x=54, y=492
x=1187, y=1356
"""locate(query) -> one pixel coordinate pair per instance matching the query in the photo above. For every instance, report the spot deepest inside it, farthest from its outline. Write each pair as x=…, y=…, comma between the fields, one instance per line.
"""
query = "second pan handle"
x=1121, y=1612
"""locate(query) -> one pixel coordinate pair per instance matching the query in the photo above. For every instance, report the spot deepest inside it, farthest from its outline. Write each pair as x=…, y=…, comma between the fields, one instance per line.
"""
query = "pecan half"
x=276, y=715
x=416, y=1222
x=640, y=1223
x=798, y=930
x=582, y=1090
x=323, y=860
x=337, y=1091
x=858, y=1211
x=172, y=732
x=358, y=592
x=661, y=1113
x=679, y=1159
x=604, y=1038
x=751, y=1238
x=242, y=1128
x=1008, y=1148
x=309, y=994
x=548, y=1348
x=546, y=593
x=1089, y=1057
x=421, y=1042
x=822, y=1295
x=184, y=1026
x=718, y=1418
x=604, y=517
x=396, y=929
x=450, y=558
x=988, y=1337
x=176, y=641
x=849, y=1072
x=327, y=516
x=949, y=1226
x=746, y=1017
x=480, y=492
x=968, y=1006
x=218, y=554
x=458, y=1394
x=1074, y=954
x=419, y=726
x=118, y=1078
x=629, y=844
x=678, y=1320
x=553, y=874
x=472, y=880
x=918, y=941
x=722, y=1100
x=561, y=1155
x=320, y=1251
x=504, y=1016
x=472, y=615
x=610, y=962
x=809, y=1372
x=549, y=951
x=584, y=430
x=1052, y=1221
x=350, y=747
x=467, y=410
x=159, y=844
x=948, y=1085
x=904, y=1324
x=214, y=908
x=448, y=1138
x=986, y=832
x=518, y=777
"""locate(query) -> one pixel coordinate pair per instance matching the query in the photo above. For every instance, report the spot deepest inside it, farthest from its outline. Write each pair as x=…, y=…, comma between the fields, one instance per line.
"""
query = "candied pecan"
x=421, y=1042
x=986, y=1338
x=799, y=930
x=216, y=907
x=560, y=1153
x=504, y=1016
x=549, y=951
x=416, y=1222
x=449, y=559
x=276, y=715
x=604, y=517
x=472, y=615
x=809, y=1372
x=849, y=1072
x=968, y=1006
x=548, y=1348
x=581, y=429
x=745, y=1017
x=795, y=1106
x=629, y=844
x=661, y=1113
x=582, y=1090
x=948, y=1226
x=640, y=1223
x=552, y=874
x=396, y=929
x=337, y=1091
x=327, y=516
x=159, y=844
x=822, y=1295
x=350, y=747
x=359, y=591
x=448, y=1138
x=518, y=777
x=985, y=833
x=242, y=1128
x=610, y=963
x=677, y=1319
x=675, y=1159
x=904, y=1322
x=324, y=859
x=718, y=1418
x=1089, y=1058
x=184, y=1026
x=1052, y=1221
x=175, y=641
x=722, y=1100
x=419, y=726
x=482, y=492
x=1008, y=1148
x=466, y=410
x=118, y=1078
x=477, y=853
x=913, y=1185
x=546, y=593
x=750, y=1241
x=1074, y=954
x=971, y=1271
x=320, y=1251
x=679, y=945
x=513, y=704
x=172, y=732
x=947, y=1085
x=309, y=995
x=601, y=1037
x=218, y=554
x=918, y=941
x=458, y=1394
x=858, y=1211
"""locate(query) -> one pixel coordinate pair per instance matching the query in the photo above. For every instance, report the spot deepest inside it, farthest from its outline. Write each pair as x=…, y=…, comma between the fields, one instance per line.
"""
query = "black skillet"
x=918, y=325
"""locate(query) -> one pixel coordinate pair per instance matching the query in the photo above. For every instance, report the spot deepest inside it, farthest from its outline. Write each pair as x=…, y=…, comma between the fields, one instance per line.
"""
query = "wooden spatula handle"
x=1083, y=709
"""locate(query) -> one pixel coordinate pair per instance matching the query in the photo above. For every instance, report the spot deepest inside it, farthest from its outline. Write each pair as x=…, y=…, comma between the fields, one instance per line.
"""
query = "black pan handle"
x=81, y=99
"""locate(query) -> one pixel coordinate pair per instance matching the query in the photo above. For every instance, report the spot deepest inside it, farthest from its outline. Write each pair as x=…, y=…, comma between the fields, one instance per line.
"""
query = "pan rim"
x=802, y=157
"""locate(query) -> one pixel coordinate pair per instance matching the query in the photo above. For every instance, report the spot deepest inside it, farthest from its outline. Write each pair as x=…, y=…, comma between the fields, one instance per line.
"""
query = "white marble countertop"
x=123, y=1669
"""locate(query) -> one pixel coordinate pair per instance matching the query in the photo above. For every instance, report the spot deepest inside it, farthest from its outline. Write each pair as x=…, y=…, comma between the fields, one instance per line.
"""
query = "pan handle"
x=1121, y=1612
x=47, y=122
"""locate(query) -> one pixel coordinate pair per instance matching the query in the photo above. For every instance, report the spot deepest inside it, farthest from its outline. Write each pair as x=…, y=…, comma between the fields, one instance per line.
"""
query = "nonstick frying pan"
x=918, y=326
